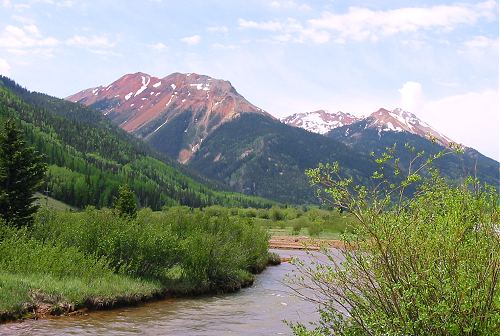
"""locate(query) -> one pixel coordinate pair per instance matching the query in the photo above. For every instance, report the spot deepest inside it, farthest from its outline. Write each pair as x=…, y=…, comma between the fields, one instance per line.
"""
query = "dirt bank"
x=302, y=243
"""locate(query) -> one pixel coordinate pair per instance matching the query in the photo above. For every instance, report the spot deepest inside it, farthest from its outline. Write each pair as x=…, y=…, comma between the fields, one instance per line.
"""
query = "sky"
x=438, y=59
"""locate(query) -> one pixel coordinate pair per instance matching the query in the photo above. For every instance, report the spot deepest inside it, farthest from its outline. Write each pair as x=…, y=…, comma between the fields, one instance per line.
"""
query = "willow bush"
x=423, y=258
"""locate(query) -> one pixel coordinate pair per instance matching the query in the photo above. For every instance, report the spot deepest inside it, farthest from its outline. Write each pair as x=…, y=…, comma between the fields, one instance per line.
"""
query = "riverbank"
x=255, y=311
x=39, y=305
x=303, y=243
x=96, y=259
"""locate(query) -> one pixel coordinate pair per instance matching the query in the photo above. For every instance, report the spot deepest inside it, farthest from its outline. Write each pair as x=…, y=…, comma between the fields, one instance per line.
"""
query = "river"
x=257, y=310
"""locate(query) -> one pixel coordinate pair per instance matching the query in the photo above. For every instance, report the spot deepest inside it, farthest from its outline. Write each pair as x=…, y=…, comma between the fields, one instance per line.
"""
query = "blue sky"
x=438, y=59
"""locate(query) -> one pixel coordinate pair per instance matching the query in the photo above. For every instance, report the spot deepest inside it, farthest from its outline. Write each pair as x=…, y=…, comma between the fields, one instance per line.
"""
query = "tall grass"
x=32, y=272
x=97, y=258
x=208, y=249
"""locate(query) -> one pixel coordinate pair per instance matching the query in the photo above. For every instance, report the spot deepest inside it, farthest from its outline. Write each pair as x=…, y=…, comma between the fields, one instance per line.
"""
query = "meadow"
x=304, y=221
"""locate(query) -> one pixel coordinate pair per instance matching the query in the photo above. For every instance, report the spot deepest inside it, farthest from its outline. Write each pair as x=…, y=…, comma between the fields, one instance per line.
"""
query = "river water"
x=257, y=310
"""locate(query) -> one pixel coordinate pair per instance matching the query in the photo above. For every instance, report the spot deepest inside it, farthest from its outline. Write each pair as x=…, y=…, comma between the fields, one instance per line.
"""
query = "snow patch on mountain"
x=320, y=121
x=145, y=83
x=399, y=120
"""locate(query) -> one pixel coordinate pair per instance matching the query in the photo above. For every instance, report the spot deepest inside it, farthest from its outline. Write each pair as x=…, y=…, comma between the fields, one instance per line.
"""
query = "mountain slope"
x=147, y=107
x=261, y=156
x=320, y=121
x=399, y=120
x=373, y=135
x=89, y=157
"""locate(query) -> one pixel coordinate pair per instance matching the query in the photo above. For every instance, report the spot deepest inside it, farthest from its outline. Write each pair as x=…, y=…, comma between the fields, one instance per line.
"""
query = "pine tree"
x=125, y=203
x=22, y=173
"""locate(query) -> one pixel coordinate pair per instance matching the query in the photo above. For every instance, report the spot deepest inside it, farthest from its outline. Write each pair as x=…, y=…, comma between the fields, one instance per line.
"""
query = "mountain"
x=402, y=121
x=183, y=108
x=89, y=157
x=207, y=125
x=320, y=121
x=261, y=156
x=383, y=120
x=385, y=128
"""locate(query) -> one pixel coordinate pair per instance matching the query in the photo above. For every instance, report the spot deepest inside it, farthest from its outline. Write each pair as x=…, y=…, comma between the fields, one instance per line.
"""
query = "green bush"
x=140, y=247
x=276, y=214
x=249, y=213
x=421, y=265
x=298, y=224
x=315, y=227
x=263, y=213
x=206, y=248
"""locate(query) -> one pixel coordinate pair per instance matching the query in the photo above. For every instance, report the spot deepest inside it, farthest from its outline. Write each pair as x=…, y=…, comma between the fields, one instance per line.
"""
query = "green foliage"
x=323, y=223
x=261, y=156
x=33, y=272
x=315, y=228
x=98, y=258
x=454, y=167
x=24, y=255
x=125, y=204
x=425, y=264
x=89, y=158
x=205, y=249
x=276, y=214
x=22, y=171
x=298, y=225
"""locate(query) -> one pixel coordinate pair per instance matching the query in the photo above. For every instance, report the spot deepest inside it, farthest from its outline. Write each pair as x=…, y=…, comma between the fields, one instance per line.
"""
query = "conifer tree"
x=125, y=203
x=22, y=171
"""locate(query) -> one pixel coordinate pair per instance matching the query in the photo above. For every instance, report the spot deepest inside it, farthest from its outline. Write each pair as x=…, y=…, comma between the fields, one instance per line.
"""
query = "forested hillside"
x=360, y=137
x=89, y=158
x=258, y=155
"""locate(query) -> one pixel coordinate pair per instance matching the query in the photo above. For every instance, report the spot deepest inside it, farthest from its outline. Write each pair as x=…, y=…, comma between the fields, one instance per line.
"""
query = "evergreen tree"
x=125, y=203
x=22, y=173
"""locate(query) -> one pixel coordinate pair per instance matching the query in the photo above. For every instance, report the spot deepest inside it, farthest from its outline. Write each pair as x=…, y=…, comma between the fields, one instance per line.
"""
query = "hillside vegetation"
x=89, y=157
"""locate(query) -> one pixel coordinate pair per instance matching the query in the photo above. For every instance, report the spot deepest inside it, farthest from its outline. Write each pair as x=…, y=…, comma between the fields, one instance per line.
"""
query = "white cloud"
x=224, y=46
x=365, y=24
x=158, y=46
x=218, y=29
x=290, y=30
x=4, y=67
x=18, y=6
x=411, y=97
x=481, y=42
x=191, y=40
x=470, y=118
x=95, y=42
x=26, y=39
x=268, y=25
x=289, y=4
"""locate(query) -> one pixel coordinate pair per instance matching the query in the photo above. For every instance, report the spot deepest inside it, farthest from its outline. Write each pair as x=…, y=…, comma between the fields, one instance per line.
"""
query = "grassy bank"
x=95, y=259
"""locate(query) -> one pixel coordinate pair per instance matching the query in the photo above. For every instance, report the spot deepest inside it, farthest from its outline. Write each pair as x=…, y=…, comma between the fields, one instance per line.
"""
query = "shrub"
x=298, y=225
x=263, y=213
x=276, y=214
x=315, y=227
x=19, y=254
x=423, y=265
x=206, y=249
